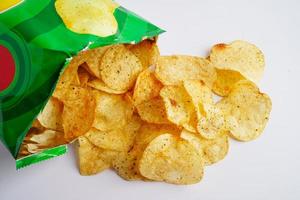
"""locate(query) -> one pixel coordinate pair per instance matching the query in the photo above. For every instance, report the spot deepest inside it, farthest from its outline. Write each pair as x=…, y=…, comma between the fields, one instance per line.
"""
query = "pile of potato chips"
x=152, y=117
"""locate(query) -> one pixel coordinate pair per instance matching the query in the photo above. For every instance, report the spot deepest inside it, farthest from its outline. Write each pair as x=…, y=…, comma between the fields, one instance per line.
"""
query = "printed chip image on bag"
x=89, y=72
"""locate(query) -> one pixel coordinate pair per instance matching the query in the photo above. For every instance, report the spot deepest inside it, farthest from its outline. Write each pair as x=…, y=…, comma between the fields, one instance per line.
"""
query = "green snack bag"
x=38, y=39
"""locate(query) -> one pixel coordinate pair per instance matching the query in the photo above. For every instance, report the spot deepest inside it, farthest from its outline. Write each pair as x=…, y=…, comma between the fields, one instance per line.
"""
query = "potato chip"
x=37, y=141
x=83, y=76
x=131, y=130
x=210, y=119
x=247, y=111
x=78, y=113
x=51, y=116
x=36, y=124
x=171, y=159
x=121, y=139
x=179, y=107
x=111, y=140
x=48, y=138
x=172, y=70
x=239, y=56
x=148, y=132
x=112, y=111
x=92, y=60
x=108, y=156
x=119, y=68
x=88, y=16
x=193, y=139
x=90, y=161
x=146, y=87
x=225, y=81
x=153, y=111
x=147, y=51
x=211, y=151
x=68, y=77
x=100, y=85
x=126, y=165
x=216, y=149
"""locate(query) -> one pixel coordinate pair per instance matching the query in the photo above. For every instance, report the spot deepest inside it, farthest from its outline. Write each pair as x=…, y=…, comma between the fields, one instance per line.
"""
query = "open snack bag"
x=49, y=55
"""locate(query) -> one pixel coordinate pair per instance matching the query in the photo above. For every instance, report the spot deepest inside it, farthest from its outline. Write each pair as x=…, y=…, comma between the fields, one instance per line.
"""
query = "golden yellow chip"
x=112, y=111
x=108, y=156
x=90, y=161
x=211, y=151
x=121, y=139
x=146, y=87
x=239, y=56
x=78, y=113
x=126, y=165
x=172, y=70
x=246, y=110
x=92, y=60
x=179, y=106
x=210, y=119
x=111, y=140
x=171, y=159
x=51, y=116
x=83, y=76
x=100, y=85
x=147, y=51
x=38, y=140
x=225, y=81
x=148, y=132
x=69, y=77
x=48, y=138
x=131, y=130
x=88, y=16
x=153, y=111
x=119, y=68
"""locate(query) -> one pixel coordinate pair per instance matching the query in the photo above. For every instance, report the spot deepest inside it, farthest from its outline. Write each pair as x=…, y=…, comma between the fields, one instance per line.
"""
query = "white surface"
x=267, y=168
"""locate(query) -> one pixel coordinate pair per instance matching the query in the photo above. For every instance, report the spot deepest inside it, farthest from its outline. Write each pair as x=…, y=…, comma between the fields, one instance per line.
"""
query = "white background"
x=267, y=168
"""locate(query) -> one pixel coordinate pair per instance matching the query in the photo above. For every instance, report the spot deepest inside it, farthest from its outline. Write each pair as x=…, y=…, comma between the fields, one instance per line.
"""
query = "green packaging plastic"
x=35, y=45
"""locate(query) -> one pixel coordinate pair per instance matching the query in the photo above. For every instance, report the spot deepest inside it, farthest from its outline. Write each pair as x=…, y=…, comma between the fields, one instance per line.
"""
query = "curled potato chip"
x=78, y=113
x=239, y=56
x=39, y=140
x=225, y=81
x=147, y=51
x=179, y=107
x=119, y=68
x=148, y=132
x=90, y=161
x=210, y=119
x=246, y=110
x=69, y=77
x=172, y=70
x=88, y=16
x=153, y=111
x=121, y=139
x=92, y=60
x=111, y=140
x=171, y=159
x=146, y=87
x=112, y=111
x=212, y=150
x=48, y=138
x=100, y=85
x=51, y=116
x=126, y=165
x=83, y=76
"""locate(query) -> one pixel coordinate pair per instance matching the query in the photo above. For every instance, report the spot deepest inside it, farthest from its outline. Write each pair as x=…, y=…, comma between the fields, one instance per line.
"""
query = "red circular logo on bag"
x=7, y=68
